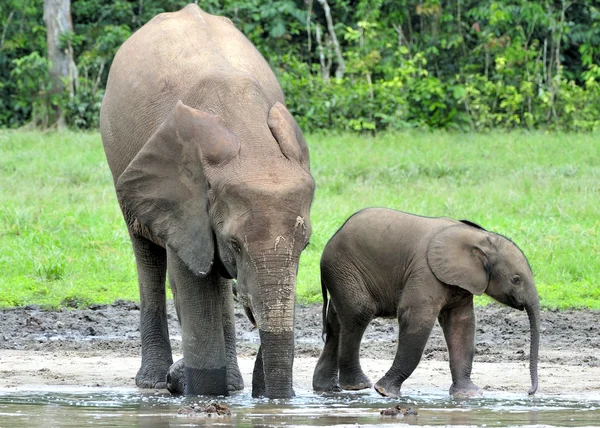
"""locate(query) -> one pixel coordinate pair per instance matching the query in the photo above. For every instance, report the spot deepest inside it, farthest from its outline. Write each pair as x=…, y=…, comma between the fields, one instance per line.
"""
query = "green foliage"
x=64, y=242
x=463, y=65
x=29, y=75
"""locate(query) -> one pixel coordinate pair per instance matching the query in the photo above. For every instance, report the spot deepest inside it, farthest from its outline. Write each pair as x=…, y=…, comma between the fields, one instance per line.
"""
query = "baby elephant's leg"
x=353, y=323
x=458, y=324
x=415, y=324
x=326, y=375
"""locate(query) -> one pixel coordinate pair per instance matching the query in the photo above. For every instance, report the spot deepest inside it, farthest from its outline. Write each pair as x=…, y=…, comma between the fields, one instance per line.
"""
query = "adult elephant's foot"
x=388, y=387
x=354, y=381
x=465, y=389
x=152, y=376
x=235, y=382
x=175, y=379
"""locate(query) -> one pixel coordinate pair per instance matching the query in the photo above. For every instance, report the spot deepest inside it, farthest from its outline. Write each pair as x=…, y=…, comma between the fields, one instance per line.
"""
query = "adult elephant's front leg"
x=176, y=376
x=200, y=308
x=156, y=348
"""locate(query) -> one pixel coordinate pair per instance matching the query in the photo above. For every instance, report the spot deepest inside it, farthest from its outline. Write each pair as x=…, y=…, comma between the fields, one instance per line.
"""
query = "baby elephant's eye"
x=516, y=280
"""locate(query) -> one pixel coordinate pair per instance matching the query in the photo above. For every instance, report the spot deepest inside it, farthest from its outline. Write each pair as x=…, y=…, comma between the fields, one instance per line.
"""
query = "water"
x=128, y=407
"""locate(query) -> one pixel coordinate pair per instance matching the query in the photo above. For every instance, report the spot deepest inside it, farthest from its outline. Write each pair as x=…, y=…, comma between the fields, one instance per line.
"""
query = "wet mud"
x=568, y=337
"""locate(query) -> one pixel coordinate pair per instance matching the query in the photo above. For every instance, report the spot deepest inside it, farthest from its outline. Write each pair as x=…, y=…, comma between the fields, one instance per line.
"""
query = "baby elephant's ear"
x=472, y=224
x=459, y=255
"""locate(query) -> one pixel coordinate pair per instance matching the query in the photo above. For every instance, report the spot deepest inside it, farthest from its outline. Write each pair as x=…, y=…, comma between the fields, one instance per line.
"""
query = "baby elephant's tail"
x=326, y=332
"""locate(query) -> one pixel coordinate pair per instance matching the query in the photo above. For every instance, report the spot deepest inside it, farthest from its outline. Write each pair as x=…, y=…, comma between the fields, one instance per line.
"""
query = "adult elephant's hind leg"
x=151, y=263
x=235, y=382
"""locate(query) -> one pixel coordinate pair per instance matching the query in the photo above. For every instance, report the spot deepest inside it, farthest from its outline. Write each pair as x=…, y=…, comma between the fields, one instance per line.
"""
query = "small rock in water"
x=210, y=409
x=399, y=411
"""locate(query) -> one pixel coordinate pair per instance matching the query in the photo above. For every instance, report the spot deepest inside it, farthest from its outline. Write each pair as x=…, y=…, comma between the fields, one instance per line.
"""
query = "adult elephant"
x=386, y=263
x=212, y=175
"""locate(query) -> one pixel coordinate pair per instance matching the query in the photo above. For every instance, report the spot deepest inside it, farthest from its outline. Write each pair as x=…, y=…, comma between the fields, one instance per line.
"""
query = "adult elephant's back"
x=175, y=56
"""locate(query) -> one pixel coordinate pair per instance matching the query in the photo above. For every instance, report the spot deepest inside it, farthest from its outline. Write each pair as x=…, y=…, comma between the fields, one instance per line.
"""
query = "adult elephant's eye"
x=236, y=247
x=516, y=280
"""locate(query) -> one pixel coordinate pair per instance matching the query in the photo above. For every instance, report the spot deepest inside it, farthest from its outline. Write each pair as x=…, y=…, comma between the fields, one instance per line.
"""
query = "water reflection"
x=131, y=407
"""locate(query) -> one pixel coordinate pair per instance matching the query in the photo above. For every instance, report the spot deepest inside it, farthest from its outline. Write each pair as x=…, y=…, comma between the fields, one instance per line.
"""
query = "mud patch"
x=571, y=337
x=101, y=346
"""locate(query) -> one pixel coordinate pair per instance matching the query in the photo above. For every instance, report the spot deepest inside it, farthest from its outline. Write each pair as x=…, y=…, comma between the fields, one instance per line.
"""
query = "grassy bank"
x=63, y=241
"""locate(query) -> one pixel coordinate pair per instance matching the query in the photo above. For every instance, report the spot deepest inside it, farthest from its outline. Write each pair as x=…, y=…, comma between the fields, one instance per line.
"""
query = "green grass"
x=63, y=240
x=62, y=237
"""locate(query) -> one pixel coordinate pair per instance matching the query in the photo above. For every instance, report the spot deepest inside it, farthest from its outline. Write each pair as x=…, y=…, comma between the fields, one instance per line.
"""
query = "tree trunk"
x=324, y=65
x=57, y=17
x=341, y=67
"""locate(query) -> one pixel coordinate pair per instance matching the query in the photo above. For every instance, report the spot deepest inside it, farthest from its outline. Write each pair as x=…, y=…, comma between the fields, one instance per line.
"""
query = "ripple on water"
x=63, y=406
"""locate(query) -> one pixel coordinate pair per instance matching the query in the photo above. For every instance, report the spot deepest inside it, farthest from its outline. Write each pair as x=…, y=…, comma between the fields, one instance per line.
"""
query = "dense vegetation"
x=64, y=242
x=393, y=64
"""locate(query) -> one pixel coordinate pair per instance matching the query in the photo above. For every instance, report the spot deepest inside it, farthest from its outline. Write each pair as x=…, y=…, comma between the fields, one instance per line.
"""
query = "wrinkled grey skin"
x=386, y=263
x=212, y=175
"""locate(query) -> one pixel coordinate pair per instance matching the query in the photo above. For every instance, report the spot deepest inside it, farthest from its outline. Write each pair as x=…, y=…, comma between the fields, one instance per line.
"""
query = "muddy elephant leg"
x=235, y=382
x=458, y=324
x=199, y=304
x=259, y=387
x=151, y=263
x=415, y=322
x=326, y=375
x=353, y=324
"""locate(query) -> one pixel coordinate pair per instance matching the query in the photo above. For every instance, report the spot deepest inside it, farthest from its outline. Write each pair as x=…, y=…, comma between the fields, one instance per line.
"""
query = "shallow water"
x=126, y=407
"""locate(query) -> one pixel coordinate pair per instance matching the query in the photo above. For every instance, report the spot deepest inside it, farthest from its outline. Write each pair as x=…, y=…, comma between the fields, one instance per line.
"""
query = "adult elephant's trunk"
x=273, y=310
x=277, y=360
x=533, y=312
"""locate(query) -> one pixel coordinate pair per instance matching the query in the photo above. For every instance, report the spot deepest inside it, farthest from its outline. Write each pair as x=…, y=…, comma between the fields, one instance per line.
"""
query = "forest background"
x=360, y=65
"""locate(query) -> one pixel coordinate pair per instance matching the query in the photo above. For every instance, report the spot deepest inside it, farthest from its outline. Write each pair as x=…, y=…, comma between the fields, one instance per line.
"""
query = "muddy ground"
x=100, y=346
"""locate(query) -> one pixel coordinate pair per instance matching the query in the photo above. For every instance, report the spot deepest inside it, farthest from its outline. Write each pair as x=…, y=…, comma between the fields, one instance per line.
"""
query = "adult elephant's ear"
x=164, y=187
x=288, y=134
x=459, y=255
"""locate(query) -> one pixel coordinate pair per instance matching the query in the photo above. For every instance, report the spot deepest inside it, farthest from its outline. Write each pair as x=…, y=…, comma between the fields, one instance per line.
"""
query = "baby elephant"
x=386, y=263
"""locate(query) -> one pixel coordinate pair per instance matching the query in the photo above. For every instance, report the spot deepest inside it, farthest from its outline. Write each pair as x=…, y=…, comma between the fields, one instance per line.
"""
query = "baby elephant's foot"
x=176, y=378
x=326, y=376
x=355, y=381
x=465, y=390
x=326, y=385
x=388, y=387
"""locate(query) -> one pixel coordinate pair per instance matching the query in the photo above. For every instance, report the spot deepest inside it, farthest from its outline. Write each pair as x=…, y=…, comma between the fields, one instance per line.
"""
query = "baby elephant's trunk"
x=533, y=312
